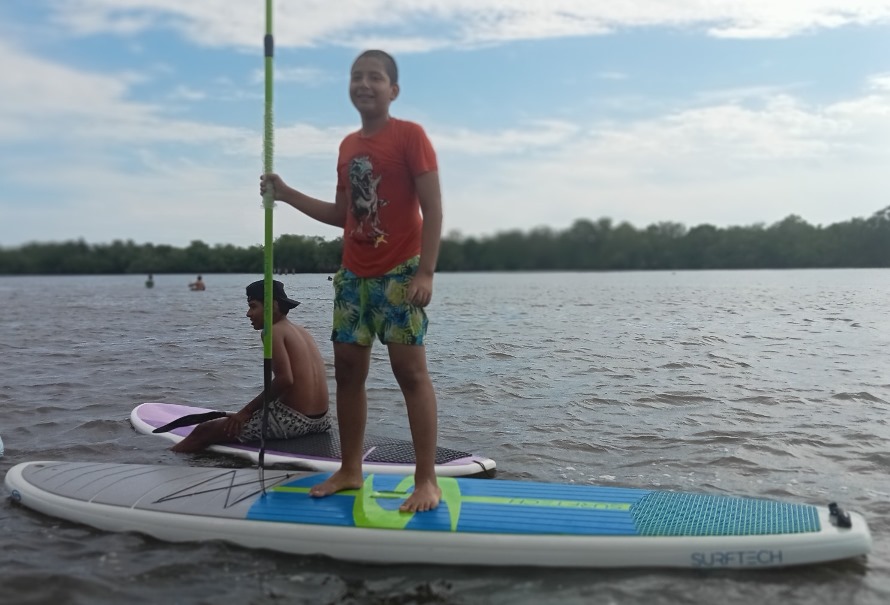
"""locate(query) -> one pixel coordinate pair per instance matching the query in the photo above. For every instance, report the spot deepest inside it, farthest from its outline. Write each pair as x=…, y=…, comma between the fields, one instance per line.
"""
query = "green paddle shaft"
x=268, y=204
x=269, y=195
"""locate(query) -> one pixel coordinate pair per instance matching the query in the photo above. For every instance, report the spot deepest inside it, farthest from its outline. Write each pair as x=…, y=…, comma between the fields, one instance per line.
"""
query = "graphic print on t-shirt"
x=365, y=202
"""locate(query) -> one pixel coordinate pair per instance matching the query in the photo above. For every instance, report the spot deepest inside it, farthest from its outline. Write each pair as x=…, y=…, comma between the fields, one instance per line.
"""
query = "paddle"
x=268, y=204
x=189, y=420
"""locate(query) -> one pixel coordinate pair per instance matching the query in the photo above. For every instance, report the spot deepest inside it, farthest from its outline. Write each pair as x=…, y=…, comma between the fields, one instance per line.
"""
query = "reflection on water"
x=763, y=383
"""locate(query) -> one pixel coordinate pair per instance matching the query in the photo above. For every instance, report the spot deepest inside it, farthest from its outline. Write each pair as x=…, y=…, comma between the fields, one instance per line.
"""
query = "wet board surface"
x=320, y=452
x=478, y=522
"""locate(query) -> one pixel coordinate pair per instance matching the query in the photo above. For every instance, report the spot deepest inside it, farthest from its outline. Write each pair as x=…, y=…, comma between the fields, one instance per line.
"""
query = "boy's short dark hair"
x=389, y=64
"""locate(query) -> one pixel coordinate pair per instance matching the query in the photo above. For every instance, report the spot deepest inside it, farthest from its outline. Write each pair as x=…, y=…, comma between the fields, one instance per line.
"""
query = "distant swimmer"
x=150, y=282
x=198, y=284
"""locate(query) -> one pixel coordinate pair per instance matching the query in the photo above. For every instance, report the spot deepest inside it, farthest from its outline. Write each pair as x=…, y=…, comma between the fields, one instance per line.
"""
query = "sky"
x=142, y=119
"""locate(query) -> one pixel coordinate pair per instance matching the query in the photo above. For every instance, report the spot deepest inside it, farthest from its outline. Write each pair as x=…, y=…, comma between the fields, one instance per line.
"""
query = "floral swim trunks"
x=284, y=423
x=369, y=307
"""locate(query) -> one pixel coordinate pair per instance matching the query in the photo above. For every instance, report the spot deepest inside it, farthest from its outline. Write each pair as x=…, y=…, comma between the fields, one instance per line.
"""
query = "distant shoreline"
x=586, y=246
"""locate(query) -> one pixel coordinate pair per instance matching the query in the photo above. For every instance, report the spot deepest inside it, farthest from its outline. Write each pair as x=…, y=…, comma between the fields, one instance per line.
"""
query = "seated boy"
x=299, y=398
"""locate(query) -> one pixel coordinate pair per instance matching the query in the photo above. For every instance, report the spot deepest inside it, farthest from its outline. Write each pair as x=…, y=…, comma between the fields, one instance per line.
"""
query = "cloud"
x=744, y=93
x=82, y=158
x=43, y=99
x=304, y=76
x=535, y=135
x=880, y=82
x=34, y=88
x=722, y=163
x=63, y=106
x=186, y=93
x=462, y=23
x=723, y=157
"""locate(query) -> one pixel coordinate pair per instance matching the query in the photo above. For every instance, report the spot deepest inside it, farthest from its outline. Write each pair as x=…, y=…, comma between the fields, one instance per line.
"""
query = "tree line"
x=585, y=246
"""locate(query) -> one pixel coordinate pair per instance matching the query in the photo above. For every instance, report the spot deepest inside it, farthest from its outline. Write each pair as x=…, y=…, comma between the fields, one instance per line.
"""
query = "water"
x=759, y=383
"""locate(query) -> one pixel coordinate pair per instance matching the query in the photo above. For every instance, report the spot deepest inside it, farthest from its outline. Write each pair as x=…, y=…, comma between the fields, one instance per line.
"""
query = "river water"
x=757, y=383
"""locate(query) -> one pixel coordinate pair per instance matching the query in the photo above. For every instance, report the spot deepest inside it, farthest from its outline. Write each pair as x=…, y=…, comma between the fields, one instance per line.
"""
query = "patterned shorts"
x=284, y=423
x=365, y=307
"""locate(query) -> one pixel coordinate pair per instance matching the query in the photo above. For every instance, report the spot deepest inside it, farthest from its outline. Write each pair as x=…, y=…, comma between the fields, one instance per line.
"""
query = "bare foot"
x=337, y=483
x=425, y=497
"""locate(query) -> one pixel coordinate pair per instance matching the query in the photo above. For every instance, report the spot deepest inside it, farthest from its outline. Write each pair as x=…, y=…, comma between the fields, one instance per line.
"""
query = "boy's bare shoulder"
x=291, y=331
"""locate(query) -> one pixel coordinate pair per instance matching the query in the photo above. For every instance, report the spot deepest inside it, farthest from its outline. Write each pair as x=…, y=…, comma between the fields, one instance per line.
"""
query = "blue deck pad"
x=499, y=507
x=520, y=507
x=684, y=514
x=300, y=507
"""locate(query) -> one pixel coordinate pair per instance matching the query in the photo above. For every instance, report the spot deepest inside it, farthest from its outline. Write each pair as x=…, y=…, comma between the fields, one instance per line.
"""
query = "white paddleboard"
x=321, y=452
x=478, y=522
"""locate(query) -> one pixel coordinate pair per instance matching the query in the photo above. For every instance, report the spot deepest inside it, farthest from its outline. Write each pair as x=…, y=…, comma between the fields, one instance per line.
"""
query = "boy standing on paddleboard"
x=389, y=204
x=299, y=402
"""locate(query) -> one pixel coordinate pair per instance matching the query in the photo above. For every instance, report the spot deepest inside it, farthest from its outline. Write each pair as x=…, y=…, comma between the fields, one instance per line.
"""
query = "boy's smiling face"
x=370, y=88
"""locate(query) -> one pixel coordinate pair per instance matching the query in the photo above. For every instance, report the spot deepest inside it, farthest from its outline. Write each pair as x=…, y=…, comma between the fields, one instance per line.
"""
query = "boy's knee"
x=202, y=431
x=346, y=379
x=349, y=373
x=410, y=375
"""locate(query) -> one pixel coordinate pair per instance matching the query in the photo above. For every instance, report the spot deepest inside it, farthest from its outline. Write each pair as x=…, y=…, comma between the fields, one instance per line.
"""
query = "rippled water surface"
x=766, y=383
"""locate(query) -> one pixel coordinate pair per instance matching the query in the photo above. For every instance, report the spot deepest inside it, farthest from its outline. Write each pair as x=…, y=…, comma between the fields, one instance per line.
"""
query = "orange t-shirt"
x=383, y=220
